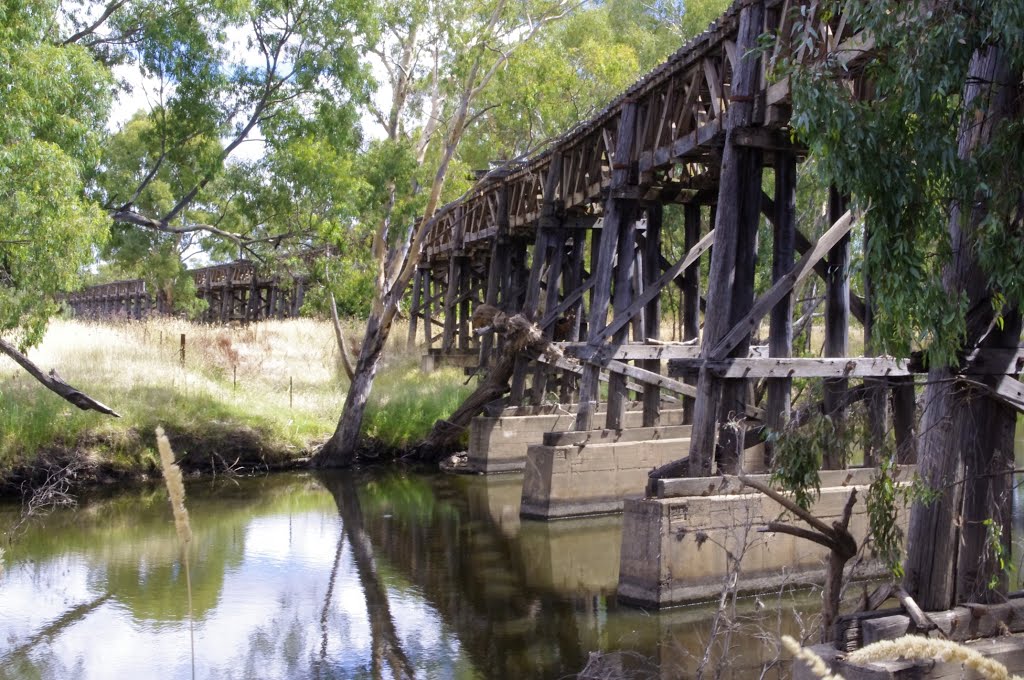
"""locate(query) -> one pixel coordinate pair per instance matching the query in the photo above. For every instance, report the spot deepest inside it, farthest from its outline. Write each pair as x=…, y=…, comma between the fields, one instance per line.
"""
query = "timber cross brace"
x=572, y=239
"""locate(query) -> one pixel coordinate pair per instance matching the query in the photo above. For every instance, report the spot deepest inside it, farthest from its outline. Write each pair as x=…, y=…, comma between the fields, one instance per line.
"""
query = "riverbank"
x=263, y=396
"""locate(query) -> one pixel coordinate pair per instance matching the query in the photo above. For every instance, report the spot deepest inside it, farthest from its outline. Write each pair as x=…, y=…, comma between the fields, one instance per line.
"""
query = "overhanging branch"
x=55, y=383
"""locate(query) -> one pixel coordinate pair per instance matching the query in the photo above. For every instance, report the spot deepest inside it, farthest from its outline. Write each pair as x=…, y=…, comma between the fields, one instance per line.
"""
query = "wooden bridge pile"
x=575, y=232
x=233, y=292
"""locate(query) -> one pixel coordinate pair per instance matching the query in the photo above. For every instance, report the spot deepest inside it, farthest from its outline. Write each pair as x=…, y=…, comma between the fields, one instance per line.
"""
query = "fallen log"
x=55, y=383
x=521, y=337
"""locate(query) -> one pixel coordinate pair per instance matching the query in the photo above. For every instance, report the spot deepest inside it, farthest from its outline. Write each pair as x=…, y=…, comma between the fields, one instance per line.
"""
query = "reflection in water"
x=349, y=576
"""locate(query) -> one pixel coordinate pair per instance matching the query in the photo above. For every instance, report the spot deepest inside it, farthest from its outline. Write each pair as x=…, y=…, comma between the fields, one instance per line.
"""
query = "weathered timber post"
x=837, y=322
x=780, y=334
x=466, y=288
x=617, y=212
x=300, y=295
x=541, y=252
x=272, y=299
x=497, y=273
x=573, y=279
x=140, y=296
x=736, y=392
x=874, y=443
x=691, y=291
x=456, y=268
x=227, y=297
x=414, y=307
x=428, y=308
x=623, y=299
x=729, y=228
x=652, y=314
x=556, y=257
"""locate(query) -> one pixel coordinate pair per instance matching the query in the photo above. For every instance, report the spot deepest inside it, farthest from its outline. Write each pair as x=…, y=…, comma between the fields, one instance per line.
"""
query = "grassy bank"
x=266, y=393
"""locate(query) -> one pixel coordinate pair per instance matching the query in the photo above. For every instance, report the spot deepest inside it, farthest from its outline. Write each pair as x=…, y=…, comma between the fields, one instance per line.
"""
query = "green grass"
x=271, y=390
x=406, y=402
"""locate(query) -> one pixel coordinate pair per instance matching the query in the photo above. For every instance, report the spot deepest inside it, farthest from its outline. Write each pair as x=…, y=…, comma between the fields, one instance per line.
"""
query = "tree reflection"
x=386, y=646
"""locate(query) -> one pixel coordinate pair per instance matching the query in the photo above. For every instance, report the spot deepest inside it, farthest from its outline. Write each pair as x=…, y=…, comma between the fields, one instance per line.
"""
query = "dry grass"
x=275, y=385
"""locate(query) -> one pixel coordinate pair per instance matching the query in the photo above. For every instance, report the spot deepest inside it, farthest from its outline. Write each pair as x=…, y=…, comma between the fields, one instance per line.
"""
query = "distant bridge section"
x=232, y=292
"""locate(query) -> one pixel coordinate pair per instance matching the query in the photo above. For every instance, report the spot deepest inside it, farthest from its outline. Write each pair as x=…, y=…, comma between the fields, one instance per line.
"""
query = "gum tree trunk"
x=966, y=435
x=340, y=449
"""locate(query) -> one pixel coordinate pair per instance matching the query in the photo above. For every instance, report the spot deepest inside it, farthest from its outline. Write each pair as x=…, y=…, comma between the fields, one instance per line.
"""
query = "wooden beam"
x=577, y=368
x=789, y=367
x=1010, y=391
x=691, y=291
x=767, y=139
x=615, y=212
x=837, y=320
x=803, y=245
x=654, y=291
x=780, y=336
x=652, y=313
x=732, y=188
x=782, y=287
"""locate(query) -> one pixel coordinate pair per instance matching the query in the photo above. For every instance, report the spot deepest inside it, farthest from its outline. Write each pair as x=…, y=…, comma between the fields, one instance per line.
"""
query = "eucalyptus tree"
x=473, y=84
x=216, y=75
x=439, y=57
x=220, y=77
x=935, y=156
x=54, y=101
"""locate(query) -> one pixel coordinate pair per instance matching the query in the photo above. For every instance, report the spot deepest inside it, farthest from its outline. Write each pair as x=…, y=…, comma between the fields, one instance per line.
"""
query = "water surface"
x=346, y=576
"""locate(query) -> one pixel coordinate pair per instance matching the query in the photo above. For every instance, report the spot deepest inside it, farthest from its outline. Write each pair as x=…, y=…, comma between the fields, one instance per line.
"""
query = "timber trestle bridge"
x=233, y=292
x=572, y=239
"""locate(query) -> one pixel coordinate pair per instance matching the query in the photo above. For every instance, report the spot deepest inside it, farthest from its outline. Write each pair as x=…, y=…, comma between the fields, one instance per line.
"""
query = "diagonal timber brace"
x=783, y=286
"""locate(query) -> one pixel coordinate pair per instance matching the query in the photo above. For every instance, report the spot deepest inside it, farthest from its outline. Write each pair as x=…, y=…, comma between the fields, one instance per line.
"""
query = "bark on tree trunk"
x=961, y=425
x=340, y=449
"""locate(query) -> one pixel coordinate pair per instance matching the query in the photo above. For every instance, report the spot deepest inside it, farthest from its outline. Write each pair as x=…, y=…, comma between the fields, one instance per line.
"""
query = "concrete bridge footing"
x=675, y=549
x=500, y=444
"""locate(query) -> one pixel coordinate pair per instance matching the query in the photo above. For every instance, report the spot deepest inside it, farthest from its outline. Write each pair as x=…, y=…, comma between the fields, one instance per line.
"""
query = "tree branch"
x=813, y=536
x=138, y=220
x=340, y=336
x=88, y=30
x=55, y=383
x=789, y=505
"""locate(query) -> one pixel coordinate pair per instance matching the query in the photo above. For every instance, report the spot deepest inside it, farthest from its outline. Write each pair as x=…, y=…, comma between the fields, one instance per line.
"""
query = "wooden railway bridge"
x=572, y=238
x=233, y=292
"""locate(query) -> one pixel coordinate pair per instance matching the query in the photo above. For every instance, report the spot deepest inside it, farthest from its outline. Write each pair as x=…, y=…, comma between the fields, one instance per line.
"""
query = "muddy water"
x=351, y=576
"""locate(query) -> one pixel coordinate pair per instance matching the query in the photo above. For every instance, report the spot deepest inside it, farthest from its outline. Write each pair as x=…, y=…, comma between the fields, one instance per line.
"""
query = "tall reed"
x=176, y=491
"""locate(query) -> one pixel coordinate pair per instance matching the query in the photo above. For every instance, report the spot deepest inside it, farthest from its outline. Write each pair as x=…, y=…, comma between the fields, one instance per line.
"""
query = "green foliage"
x=897, y=153
x=53, y=100
x=1003, y=560
x=883, y=516
x=406, y=403
x=798, y=455
x=576, y=66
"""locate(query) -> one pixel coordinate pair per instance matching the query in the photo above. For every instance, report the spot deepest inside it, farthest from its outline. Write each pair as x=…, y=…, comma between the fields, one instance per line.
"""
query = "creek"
x=348, y=575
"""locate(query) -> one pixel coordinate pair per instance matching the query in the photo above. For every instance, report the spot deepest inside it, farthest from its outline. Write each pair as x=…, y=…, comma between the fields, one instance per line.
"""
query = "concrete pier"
x=674, y=547
x=500, y=444
x=595, y=476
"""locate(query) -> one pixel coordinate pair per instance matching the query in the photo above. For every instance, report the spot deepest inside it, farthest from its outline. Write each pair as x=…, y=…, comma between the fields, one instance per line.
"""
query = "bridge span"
x=572, y=238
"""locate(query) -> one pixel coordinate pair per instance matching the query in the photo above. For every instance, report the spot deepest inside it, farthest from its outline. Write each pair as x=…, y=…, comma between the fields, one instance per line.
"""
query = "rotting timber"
x=571, y=240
